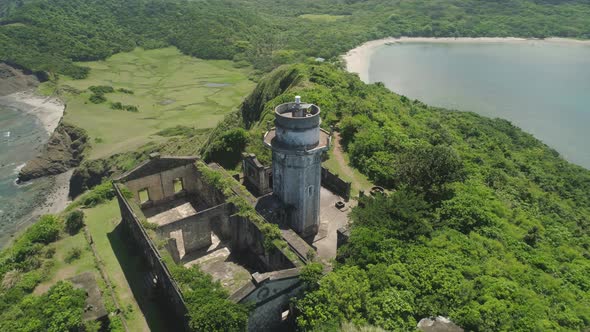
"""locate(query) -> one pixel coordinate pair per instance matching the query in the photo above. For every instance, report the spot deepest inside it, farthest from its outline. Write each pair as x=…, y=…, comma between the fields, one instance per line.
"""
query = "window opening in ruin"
x=270, y=180
x=144, y=195
x=178, y=185
x=310, y=191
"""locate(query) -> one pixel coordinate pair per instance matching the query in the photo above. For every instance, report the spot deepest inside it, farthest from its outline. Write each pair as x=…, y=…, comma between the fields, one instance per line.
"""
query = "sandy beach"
x=48, y=110
x=358, y=59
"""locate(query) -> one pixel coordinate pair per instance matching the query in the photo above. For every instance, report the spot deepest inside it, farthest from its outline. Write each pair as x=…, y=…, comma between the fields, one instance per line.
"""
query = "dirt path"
x=338, y=154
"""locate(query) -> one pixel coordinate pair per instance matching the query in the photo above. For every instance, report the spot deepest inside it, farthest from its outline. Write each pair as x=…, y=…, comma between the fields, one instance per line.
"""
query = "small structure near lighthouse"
x=297, y=144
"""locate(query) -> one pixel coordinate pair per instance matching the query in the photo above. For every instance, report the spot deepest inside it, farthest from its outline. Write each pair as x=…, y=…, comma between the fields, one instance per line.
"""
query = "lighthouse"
x=297, y=143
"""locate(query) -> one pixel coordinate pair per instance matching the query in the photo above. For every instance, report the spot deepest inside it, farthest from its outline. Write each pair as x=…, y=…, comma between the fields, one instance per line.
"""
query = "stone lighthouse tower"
x=297, y=143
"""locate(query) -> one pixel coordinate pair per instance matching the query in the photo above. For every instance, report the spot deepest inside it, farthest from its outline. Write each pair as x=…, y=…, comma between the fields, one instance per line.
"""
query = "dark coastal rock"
x=90, y=174
x=14, y=80
x=63, y=151
x=93, y=172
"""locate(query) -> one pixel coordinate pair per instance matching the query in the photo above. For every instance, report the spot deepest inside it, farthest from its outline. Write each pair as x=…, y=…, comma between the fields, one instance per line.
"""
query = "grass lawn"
x=347, y=173
x=169, y=89
x=102, y=222
x=62, y=270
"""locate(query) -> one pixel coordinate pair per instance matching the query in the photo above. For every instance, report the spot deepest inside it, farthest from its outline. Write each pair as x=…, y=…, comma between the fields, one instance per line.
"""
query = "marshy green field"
x=169, y=89
x=323, y=17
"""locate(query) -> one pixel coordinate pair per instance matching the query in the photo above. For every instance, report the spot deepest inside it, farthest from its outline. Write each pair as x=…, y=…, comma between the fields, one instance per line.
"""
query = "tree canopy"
x=50, y=35
x=483, y=223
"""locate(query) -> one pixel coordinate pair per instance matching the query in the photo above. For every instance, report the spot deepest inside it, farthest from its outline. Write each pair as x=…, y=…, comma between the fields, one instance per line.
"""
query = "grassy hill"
x=169, y=90
x=484, y=224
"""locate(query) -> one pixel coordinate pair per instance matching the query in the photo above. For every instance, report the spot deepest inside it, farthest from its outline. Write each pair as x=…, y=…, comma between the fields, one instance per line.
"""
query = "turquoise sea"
x=21, y=136
x=542, y=87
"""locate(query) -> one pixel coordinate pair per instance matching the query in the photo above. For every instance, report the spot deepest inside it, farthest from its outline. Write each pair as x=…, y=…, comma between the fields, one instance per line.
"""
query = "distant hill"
x=48, y=35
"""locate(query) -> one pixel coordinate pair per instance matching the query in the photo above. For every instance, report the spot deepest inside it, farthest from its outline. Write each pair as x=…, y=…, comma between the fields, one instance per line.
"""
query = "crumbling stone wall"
x=257, y=177
x=335, y=184
x=160, y=186
x=171, y=295
x=159, y=179
x=247, y=240
x=196, y=229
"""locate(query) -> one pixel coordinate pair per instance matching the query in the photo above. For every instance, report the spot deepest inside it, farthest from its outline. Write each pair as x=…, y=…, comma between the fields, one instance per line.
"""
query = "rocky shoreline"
x=62, y=151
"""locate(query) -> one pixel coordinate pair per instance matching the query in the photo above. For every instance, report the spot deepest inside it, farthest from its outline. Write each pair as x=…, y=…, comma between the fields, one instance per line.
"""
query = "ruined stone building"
x=169, y=207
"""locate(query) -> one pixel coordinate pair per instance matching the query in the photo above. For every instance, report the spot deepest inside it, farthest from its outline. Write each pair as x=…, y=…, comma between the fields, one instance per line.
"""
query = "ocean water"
x=21, y=137
x=541, y=87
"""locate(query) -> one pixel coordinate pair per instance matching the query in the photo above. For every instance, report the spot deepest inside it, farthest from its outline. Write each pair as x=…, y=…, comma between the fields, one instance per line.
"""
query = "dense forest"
x=49, y=35
x=483, y=223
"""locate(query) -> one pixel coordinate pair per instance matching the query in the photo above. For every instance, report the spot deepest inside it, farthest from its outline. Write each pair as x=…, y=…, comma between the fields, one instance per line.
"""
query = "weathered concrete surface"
x=257, y=177
x=331, y=218
x=172, y=215
x=222, y=266
x=236, y=244
x=94, y=307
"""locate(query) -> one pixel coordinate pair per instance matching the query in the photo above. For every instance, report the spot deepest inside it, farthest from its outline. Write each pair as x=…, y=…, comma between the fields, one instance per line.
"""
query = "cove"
x=541, y=87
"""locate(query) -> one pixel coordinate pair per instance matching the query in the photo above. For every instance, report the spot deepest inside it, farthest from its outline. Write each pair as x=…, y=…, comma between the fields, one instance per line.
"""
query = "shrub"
x=226, y=149
x=73, y=254
x=45, y=231
x=311, y=274
x=117, y=106
x=98, y=195
x=97, y=99
x=74, y=221
x=101, y=89
x=131, y=108
x=127, y=91
x=30, y=280
x=50, y=252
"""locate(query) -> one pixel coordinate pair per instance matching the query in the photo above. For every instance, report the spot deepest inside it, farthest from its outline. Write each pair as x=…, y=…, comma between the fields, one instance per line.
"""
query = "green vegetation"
x=483, y=223
x=74, y=221
x=100, y=194
x=125, y=269
x=22, y=267
x=60, y=309
x=118, y=106
x=169, y=90
x=50, y=35
x=32, y=269
x=322, y=17
x=227, y=150
x=73, y=254
x=209, y=308
x=338, y=162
